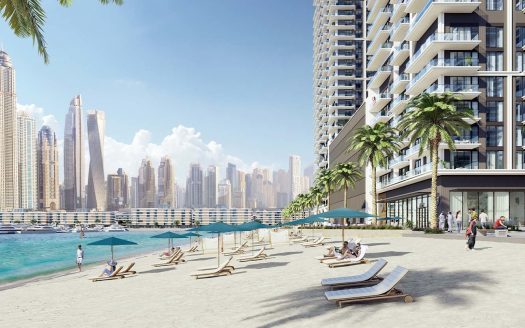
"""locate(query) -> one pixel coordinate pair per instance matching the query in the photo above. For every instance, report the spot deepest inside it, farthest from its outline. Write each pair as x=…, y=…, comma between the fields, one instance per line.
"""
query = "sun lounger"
x=176, y=259
x=349, y=261
x=224, y=269
x=318, y=242
x=260, y=241
x=365, y=279
x=384, y=290
x=257, y=257
x=238, y=250
x=177, y=251
x=192, y=249
x=299, y=240
x=128, y=271
x=113, y=276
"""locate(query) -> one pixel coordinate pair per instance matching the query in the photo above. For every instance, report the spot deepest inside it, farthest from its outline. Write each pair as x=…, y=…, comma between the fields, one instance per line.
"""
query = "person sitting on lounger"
x=339, y=253
x=499, y=224
x=170, y=253
x=109, y=269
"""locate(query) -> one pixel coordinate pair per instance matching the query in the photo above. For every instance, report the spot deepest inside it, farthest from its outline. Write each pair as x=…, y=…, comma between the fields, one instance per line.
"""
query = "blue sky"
x=236, y=71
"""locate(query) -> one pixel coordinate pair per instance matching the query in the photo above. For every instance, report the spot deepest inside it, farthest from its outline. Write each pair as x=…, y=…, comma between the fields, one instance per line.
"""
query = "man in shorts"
x=80, y=257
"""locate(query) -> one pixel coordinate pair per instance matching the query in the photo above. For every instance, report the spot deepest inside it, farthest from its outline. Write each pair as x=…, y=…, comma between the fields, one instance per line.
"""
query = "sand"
x=452, y=287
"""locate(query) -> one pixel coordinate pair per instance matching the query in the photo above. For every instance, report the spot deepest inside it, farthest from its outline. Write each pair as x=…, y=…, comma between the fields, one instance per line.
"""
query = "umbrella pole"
x=252, y=241
x=218, y=250
x=112, y=253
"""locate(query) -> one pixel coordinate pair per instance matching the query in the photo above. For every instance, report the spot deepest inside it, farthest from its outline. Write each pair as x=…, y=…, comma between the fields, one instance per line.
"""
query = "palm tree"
x=434, y=119
x=325, y=181
x=345, y=176
x=374, y=144
x=27, y=18
x=316, y=196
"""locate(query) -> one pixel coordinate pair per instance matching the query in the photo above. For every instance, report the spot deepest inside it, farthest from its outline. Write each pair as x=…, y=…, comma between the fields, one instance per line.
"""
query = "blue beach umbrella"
x=168, y=235
x=341, y=213
x=251, y=226
x=112, y=241
x=218, y=228
x=190, y=234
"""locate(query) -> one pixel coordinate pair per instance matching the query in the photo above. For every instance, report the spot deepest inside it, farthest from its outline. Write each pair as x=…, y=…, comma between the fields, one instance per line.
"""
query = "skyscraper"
x=96, y=189
x=114, y=192
x=339, y=67
x=225, y=194
x=295, y=176
x=8, y=146
x=124, y=188
x=194, y=187
x=231, y=174
x=134, y=201
x=27, y=168
x=74, y=175
x=211, y=187
x=180, y=196
x=146, y=185
x=166, y=196
x=47, y=170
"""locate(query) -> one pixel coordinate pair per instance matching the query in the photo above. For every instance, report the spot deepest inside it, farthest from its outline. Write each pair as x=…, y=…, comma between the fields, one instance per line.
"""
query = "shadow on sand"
x=266, y=265
x=376, y=244
x=447, y=288
x=285, y=253
x=202, y=259
x=158, y=270
x=377, y=255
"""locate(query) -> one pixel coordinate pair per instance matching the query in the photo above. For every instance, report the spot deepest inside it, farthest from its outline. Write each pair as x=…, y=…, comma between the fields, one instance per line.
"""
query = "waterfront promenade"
x=451, y=286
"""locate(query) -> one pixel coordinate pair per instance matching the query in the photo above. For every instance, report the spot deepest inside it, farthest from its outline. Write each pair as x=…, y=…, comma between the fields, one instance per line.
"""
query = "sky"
x=209, y=81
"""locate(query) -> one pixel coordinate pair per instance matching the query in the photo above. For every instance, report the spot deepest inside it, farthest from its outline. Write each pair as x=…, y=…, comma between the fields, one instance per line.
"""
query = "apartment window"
x=494, y=111
x=464, y=57
x=494, y=136
x=520, y=36
x=520, y=112
x=494, y=37
x=464, y=159
x=520, y=5
x=494, y=61
x=471, y=134
x=519, y=160
x=495, y=86
x=520, y=137
x=494, y=4
x=495, y=159
x=520, y=61
x=467, y=105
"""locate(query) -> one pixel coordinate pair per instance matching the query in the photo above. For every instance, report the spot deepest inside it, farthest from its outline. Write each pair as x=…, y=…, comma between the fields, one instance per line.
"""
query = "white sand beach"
x=452, y=287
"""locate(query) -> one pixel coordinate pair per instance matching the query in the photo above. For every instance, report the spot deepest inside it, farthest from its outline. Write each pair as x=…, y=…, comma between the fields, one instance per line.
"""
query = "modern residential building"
x=294, y=172
x=195, y=187
x=166, y=176
x=114, y=192
x=231, y=174
x=146, y=185
x=211, y=186
x=224, y=194
x=124, y=188
x=74, y=175
x=339, y=75
x=8, y=136
x=474, y=49
x=96, y=189
x=48, y=183
x=134, y=201
x=27, y=168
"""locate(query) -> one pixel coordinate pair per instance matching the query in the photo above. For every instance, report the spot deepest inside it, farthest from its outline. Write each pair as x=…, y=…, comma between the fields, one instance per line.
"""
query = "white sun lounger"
x=318, y=242
x=257, y=257
x=365, y=279
x=299, y=240
x=238, y=250
x=223, y=269
x=350, y=261
x=382, y=291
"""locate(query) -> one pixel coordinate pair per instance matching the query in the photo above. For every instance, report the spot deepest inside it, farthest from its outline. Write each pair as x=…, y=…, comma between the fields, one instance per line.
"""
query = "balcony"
x=376, y=103
x=399, y=162
x=379, y=21
x=378, y=5
x=438, y=42
x=465, y=91
x=463, y=143
x=438, y=67
x=400, y=29
x=399, y=10
x=431, y=11
x=379, y=58
x=400, y=83
x=399, y=104
x=382, y=117
x=413, y=152
x=380, y=76
x=401, y=53
x=380, y=38
x=410, y=174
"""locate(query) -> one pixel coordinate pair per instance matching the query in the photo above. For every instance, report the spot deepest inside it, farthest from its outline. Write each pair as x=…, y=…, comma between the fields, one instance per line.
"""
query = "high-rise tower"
x=47, y=162
x=146, y=185
x=8, y=146
x=27, y=168
x=166, y=196
x=96, y=189
x=74, y=175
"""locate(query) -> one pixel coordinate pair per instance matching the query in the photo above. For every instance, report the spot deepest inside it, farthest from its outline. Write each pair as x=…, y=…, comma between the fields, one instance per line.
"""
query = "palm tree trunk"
x=433, y=189
x=344, y=219
x=374, y=195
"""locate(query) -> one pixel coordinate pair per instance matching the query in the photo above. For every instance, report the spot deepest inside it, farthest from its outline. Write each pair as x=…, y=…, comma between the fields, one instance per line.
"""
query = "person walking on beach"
x=450, y=219
x=471, y=233
x=442, y=221
x=458, y=221
x=80, y=257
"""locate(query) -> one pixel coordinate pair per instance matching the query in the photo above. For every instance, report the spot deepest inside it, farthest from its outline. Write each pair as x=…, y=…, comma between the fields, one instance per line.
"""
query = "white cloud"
x=184, y=145
x=40, y=117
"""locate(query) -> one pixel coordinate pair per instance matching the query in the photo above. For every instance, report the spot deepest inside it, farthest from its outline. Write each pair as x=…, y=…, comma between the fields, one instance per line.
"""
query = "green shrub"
x=433, y=231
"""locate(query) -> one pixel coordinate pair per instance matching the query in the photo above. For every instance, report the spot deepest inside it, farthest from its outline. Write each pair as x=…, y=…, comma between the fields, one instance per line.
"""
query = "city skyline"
x=173, y=93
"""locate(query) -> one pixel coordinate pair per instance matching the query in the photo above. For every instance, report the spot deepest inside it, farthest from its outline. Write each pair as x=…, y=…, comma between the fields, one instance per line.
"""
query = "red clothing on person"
x=498, y=223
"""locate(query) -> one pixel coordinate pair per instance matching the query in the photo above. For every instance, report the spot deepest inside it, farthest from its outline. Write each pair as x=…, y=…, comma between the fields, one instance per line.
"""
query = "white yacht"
x=62, y=229
x=8, y=229
x=115, y=227
x=40, y=229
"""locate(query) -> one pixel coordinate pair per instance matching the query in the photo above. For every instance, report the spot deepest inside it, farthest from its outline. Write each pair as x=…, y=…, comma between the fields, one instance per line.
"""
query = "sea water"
x=28, y=255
